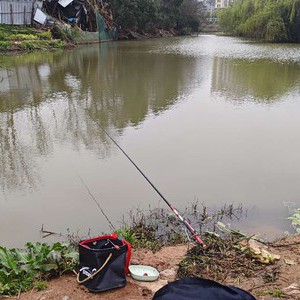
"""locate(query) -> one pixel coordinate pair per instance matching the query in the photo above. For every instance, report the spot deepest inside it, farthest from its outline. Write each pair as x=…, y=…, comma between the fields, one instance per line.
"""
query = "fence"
x=17, y=12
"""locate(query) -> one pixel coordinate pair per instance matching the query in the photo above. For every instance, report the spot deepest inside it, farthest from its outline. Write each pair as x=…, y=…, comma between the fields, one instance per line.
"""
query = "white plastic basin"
x=143, y=273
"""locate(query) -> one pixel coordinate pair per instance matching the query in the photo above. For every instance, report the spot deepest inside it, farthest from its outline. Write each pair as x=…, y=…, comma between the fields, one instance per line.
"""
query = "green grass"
x=21, y=37
x=3, y=35
x=295, y=220
x=16, y=29
x=41, y=45
x=40, y=285
x=4, y=45
x=276, y=293
x=45, y=35
x=27, y=45
x=14, y=38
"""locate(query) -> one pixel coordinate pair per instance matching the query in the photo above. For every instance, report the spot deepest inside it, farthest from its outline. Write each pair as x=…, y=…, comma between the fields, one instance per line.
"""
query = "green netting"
x=86, y=37
x=105, y=33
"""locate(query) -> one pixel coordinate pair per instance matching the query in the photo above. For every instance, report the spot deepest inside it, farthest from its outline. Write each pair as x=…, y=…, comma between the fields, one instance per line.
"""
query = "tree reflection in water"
x=67, y=97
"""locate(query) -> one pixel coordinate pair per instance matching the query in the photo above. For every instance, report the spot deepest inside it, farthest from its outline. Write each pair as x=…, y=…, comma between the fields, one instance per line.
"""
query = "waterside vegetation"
x=149, y=15
x=15, y=38
x=24, y=269
x=134, y=18
x=230, y=252
x=268, y=20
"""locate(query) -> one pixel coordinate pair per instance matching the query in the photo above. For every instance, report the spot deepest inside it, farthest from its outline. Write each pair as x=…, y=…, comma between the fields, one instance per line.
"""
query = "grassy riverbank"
x=263, y=268
x=222, y=261
x=15, y=38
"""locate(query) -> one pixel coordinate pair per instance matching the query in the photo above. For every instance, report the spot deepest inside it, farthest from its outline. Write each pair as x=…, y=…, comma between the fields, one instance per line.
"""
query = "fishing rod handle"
x=198, y=239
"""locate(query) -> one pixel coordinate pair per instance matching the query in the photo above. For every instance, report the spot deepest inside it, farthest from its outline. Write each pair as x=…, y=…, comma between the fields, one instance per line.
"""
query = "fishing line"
x=97, y=203
x=175, y=211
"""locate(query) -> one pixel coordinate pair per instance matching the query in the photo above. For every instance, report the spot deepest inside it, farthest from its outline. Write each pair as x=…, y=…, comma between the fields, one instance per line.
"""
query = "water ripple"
x=236, y=48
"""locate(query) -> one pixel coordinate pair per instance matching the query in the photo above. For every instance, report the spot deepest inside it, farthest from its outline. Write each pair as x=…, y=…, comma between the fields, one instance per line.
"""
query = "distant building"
x=209, y=7
x=17, y=12
x=223, y=3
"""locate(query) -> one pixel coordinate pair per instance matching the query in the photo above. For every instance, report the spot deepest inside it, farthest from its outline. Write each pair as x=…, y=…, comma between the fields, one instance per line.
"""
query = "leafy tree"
x=146, y=15
x=294, y=20
x=125, y=12
x=274, y=21
x=190, y=14
x=169, y=11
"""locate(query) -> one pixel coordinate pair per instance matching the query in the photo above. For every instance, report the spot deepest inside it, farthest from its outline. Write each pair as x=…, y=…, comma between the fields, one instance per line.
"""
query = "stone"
x=169, y=274
x=293, y=289
x=152, y=286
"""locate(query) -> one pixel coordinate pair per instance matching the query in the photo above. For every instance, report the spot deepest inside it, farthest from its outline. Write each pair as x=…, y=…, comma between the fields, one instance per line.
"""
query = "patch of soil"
x=66, y=288
x=284, y=275
x=157, y=33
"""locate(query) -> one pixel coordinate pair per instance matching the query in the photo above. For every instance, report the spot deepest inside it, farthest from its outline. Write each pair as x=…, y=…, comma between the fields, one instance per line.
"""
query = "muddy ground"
x=283, y=281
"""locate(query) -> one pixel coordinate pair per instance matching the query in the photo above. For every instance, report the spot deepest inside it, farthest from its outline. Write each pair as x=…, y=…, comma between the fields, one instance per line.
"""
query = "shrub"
x=273, y=21
x=21, y=270
x=22, y=37
x=295, y=219
x=46, y=35
x=4, y=45
x=27, y=45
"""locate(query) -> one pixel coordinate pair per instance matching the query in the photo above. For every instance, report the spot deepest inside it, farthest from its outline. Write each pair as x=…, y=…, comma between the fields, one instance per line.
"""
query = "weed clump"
x=22, y=270
x=152, y=229
x=156, y=228
x=13, y=38
x=4, y=45
x=224, y=258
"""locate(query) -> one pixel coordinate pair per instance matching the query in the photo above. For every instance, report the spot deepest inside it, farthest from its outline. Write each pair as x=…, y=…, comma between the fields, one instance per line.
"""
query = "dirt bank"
x=283, y=281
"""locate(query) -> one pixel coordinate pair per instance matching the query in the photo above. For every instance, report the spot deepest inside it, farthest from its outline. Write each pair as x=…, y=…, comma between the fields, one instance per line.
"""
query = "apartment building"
x=223, y=3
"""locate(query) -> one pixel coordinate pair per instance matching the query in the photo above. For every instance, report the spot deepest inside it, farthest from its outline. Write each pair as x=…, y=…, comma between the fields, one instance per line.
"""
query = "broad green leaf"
x=7, y=259
x=48, y=267
x=73, y=255
x=54, y=255
x=4, y=273
x=26, y=268
x=22, y=256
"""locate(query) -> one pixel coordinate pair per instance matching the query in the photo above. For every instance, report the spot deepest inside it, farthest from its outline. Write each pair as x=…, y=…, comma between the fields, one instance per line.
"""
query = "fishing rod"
x=97, y=203
x=175, y=211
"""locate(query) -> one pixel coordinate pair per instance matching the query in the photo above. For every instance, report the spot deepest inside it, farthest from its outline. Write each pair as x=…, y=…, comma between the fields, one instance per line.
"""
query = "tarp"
x=200, y=289
x=64, y=3
x=40, y=17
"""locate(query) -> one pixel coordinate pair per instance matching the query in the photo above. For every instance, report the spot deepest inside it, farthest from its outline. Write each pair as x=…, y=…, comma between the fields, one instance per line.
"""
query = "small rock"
x=169, y=274
x=66, y=298
x=134, y=262
x=146, y=292
x=293, y=289
x=290, y=262
x=152, y=286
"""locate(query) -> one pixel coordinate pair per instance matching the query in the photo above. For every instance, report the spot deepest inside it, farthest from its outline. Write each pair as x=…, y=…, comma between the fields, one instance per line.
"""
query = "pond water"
x=209, y=119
